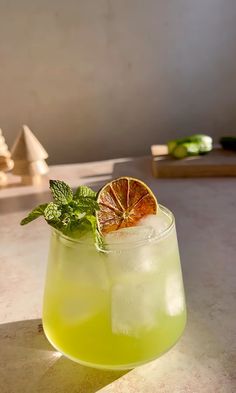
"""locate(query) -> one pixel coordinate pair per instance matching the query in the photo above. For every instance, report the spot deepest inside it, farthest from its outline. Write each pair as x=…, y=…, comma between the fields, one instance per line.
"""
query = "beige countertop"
x=204, y=360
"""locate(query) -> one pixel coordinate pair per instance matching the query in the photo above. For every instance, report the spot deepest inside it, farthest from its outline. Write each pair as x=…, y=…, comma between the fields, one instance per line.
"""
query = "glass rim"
x=131, y=243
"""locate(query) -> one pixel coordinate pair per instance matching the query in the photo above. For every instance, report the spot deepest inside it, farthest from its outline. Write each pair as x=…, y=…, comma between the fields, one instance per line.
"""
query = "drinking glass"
x=119, y=307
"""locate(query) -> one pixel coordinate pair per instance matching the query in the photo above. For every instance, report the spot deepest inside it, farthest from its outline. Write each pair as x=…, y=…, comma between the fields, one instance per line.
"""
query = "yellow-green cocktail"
x=120, y=307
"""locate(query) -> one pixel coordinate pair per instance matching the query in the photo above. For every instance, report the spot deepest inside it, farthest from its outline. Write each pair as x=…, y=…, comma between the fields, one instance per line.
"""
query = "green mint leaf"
x=84, y=191
x=35, y=213
x=79, y=228
x=52, y=212
x=92, y=220
x=85, y=205
x=99, y=241
x=62, y=193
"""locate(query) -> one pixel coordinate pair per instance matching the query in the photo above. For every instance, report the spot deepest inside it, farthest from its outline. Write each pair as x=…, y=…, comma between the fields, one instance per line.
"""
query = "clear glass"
x=114, y=309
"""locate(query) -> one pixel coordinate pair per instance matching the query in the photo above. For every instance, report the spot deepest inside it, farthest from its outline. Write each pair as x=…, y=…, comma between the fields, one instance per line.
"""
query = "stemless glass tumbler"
x=115, y=308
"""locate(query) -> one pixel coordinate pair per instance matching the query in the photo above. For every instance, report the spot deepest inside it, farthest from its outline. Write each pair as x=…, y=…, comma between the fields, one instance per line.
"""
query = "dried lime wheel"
x=123, y=203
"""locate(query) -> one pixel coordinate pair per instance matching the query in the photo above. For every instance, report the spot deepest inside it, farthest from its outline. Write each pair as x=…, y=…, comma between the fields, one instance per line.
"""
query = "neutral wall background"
x=97, y=79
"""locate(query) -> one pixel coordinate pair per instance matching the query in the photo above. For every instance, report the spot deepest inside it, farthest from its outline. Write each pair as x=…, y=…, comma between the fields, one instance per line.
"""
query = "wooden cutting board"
x=218, y=162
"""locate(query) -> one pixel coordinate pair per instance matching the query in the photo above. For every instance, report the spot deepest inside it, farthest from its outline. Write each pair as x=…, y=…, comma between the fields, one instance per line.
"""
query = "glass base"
x=112, y=367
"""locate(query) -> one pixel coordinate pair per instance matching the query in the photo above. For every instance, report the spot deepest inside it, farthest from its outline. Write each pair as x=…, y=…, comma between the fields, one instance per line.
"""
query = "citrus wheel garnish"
x=123, y=203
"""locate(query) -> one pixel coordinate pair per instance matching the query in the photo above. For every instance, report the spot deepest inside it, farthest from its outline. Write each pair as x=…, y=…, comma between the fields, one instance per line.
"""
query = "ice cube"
x=91, y=272
x=134, y=306
x=129, y=251
x=125, y=262
x=158, y=222
x=125, y=236
x=174, y=294
x=78, y=305
x=82, y=264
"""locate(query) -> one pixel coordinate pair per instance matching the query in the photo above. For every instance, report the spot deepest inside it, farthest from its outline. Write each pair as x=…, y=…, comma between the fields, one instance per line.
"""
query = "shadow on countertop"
x=29, y=364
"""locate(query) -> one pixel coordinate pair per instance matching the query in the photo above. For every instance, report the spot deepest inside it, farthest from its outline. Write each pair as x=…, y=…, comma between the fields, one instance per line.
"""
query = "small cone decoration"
x=29, y=155
x=6, y=163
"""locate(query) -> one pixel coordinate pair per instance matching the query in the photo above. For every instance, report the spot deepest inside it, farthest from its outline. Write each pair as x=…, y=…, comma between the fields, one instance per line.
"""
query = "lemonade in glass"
x=118, y=304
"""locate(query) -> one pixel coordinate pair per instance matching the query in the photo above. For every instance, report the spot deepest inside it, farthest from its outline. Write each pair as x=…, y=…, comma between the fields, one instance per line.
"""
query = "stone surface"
x=204, y=359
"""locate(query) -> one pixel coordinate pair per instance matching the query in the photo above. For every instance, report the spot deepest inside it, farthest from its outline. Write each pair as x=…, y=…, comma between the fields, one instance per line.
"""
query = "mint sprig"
x=69, y=212
x=52, y=212
x=62, y=193
x=84, y=191
x=35, y=213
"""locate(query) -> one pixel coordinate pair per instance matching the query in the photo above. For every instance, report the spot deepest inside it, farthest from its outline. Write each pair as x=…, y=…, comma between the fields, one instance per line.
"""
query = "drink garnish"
x=123, y=203
x=69, y=212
